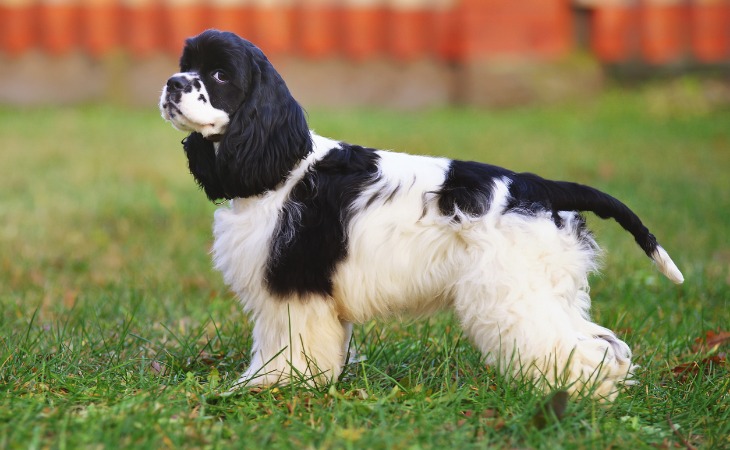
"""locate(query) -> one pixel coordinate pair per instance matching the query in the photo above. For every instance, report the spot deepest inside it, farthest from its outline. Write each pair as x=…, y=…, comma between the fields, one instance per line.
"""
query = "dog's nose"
x=177, y=83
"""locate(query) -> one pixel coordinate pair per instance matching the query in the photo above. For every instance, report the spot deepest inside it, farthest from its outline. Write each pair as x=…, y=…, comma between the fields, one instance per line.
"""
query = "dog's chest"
x=242, y=242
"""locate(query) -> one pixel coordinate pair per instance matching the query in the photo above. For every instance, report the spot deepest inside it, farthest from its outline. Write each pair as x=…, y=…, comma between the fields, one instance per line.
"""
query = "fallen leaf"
x=551, y=408
x=705, y=365
x=711, y=341
x=156, y=367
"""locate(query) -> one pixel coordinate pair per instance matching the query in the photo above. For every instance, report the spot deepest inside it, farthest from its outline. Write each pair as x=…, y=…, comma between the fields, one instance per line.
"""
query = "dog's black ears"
x=202, y=164
x=266, y=137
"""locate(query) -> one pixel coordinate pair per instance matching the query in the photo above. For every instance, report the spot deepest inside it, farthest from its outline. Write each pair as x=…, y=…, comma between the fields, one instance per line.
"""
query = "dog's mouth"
x=172, y=111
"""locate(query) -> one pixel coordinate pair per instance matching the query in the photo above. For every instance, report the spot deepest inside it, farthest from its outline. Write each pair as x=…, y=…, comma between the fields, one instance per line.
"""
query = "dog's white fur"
x=517, y=282
x=194, y=111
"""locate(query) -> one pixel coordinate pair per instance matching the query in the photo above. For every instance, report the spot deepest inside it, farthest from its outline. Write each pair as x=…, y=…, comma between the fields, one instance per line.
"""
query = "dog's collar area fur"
x=214, y=137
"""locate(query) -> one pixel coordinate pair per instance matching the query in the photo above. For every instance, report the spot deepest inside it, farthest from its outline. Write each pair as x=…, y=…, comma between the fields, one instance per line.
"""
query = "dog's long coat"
x=320, y=234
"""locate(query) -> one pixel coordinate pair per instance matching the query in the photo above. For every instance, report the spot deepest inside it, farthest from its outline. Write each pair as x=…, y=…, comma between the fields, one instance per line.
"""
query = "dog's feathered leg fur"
x=296, y=339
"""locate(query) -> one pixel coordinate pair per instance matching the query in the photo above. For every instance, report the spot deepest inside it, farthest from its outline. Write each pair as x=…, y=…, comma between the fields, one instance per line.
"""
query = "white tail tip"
x=666, y=265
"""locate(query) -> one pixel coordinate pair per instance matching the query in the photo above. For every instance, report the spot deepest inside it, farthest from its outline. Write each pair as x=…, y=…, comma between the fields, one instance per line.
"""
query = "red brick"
x=615, y=35
x=59, y=27
x=18, y=31
x=711, y=31
x=317, y=29
x=101, y=27
x=665, y=31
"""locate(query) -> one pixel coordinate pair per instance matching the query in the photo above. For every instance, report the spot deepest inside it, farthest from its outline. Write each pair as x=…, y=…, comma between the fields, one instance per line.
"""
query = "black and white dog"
x=320, y=234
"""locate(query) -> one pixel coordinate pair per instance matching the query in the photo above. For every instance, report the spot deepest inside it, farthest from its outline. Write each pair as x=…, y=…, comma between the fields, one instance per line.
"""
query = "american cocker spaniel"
x=319, y=234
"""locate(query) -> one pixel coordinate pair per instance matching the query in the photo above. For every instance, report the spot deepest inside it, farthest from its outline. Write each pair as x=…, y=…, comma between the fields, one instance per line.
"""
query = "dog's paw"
x=600, y=366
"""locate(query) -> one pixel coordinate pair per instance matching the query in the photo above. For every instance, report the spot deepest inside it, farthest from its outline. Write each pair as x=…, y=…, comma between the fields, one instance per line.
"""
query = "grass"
x=116, y=333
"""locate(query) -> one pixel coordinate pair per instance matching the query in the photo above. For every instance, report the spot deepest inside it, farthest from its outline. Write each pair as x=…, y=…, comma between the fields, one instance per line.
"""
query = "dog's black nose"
x=177, y=83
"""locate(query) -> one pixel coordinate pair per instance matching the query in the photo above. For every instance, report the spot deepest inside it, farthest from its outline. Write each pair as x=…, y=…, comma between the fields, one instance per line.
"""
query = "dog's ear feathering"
x=266, y=136
x=201, y=157
x=266, y=133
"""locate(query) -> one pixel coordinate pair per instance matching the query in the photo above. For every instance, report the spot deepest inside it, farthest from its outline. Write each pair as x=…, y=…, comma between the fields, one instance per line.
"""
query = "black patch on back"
x=468, y=187
x=532, y=194
x=311, y=239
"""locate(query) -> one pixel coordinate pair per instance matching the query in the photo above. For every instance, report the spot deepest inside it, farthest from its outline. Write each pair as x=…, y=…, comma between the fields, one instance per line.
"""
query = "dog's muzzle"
x=186, y=104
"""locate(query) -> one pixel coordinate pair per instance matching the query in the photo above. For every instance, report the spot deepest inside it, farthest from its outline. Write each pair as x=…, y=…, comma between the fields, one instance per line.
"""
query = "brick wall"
x=411, y=53
x=660, y=32
x=355, y=29
x=654, y=31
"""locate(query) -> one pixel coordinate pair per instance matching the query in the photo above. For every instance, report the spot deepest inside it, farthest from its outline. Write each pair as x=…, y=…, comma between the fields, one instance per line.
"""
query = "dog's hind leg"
x=523, y=300
x=294, y=340
x=535, y=338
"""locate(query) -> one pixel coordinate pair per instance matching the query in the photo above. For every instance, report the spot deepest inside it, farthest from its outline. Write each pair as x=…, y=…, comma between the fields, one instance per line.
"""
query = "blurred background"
x=107, y=290
x=392, y=53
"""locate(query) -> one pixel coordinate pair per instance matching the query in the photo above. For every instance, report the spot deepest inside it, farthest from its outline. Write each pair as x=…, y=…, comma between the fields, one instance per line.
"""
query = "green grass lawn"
x=115, y=332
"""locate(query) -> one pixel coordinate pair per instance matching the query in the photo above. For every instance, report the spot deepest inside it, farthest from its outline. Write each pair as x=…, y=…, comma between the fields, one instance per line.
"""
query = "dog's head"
x=228, y=93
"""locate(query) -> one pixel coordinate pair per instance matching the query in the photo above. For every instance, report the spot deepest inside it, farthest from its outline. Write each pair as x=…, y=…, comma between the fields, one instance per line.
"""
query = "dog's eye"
x=220, y=76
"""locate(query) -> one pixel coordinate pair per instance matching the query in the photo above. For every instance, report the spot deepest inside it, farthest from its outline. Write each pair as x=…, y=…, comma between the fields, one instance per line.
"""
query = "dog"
x=320, y=234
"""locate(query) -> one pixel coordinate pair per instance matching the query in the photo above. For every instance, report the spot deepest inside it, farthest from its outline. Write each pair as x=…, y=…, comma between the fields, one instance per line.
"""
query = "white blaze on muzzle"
x=185, y=103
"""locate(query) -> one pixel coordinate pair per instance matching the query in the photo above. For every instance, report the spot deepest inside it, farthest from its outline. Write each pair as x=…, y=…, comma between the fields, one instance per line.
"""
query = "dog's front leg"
x=296, y=340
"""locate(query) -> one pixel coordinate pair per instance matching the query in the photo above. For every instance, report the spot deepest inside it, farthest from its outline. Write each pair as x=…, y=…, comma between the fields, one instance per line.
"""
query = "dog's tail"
x=529, y=189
